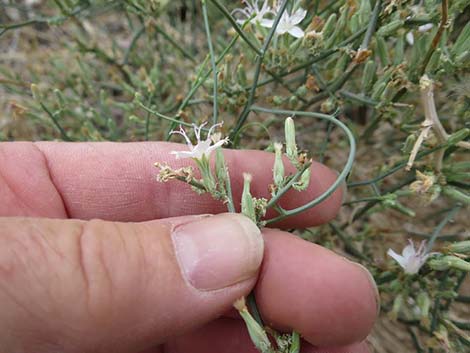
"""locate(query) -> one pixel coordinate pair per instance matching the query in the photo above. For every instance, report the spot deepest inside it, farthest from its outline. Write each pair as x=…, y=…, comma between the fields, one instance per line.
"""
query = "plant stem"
x=436, y=39
x=235, y=26
x=213, y=64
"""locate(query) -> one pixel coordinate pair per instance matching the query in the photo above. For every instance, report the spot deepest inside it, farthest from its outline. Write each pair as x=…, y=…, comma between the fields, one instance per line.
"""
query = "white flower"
x=426, y=27
x=253, y=11
x=202, y=148
x=410, y=38
x=410, y=259
x=423, y=28
x=288, y=23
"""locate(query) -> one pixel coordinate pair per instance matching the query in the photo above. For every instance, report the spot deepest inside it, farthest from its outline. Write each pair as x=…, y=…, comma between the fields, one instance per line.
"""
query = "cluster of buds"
x=298, y=159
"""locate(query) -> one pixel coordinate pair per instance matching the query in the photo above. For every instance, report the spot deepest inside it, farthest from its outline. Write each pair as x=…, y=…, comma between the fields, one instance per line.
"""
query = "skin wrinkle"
x=81, y=265
x=94, y=264
x=34, y=161
x=5, y=182
x=51, y=177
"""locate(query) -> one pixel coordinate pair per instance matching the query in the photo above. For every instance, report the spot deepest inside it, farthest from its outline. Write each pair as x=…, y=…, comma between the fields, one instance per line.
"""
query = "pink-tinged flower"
x=202, y=147
x=411, y=259
x=288, y=23
x=253, y=12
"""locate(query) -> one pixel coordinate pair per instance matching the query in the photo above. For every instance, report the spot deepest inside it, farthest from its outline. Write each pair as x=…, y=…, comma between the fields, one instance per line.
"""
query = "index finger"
x=116, y=182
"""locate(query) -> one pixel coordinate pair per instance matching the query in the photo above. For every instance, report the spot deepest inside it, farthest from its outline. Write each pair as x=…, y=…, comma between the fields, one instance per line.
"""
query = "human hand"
x=152, y=275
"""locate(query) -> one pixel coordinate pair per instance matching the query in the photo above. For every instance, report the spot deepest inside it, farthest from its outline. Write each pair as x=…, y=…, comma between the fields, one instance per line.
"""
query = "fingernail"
x=218, y=251
x=373, y=285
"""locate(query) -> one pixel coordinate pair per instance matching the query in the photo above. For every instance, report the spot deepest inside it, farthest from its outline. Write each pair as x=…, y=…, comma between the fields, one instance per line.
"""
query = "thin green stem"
x=351, y=249
x=324, y=145
x=56, y=123
x=213, y=64
x=182, y=50
x=151, y=111
x=358, y=98
x=440, y=226
x=235, y=26
x=372, y=25
x=133, y=43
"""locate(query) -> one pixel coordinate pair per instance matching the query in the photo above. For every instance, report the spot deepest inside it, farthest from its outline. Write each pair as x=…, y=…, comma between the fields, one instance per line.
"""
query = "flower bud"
x=291, y=146
x=387, y=93
x=462, y=247
x=138, y=97
x=390, y=27
x=241, y=75
x=382, y=50
x=302, y=91
x=449, y=262
x=220, y=168
x=424, y=304
x=378, y=90
x=463, y=58
x=329, y=26
x=293, y=101
x=458, y=136
x=278, y=100
x=278, y=169
x=248, y=208
x=397, y=305
x=354, y=23
x=368, y=75
x=461, y=44
x=399, y=52
x=35, y=92
x=434, y=61
x=409, y=143
x=302, y=184
x=364, y=12
x=341, y=64
x=456, y=194
x=60, y=98
x=257, y=334
x=328, y=106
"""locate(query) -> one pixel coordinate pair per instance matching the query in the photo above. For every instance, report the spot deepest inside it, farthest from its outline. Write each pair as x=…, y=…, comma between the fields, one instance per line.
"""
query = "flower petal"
x=426, y=27
x=298, y=16
x=182, y=154
x=398, y=258
x=410, y=38
x=409, y=251
x=297, y=32
x=266, y=23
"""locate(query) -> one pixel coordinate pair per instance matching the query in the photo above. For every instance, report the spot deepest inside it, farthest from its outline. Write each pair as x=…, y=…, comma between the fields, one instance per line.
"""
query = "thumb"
x=75, y=286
